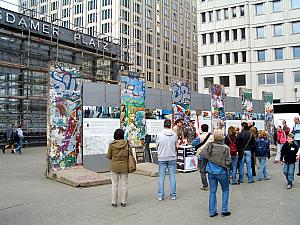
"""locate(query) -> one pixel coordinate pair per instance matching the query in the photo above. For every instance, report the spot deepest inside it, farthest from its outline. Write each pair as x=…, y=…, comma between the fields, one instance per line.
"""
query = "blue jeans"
x=288, y=171
x=233, y=172
x=247, y=158
x=223, y=179
x=19, y=145
x=263, y=173
x=162, y=166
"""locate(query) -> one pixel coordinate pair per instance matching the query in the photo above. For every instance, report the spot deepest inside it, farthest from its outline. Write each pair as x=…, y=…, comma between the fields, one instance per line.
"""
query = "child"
x=288, y=157
x=262, y=151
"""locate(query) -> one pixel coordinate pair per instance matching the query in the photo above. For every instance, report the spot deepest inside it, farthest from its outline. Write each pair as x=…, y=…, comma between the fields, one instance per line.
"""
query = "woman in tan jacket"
x=118, y=153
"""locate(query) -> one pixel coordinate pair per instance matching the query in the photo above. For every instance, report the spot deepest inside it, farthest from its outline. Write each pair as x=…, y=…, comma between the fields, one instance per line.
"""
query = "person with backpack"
x=281, y=139
x=19, y=140
x=205, y=138
x=230, y=141
x=262, y=152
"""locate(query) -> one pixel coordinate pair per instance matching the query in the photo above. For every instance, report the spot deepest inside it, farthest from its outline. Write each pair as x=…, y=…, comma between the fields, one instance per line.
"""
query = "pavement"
x=27, y=197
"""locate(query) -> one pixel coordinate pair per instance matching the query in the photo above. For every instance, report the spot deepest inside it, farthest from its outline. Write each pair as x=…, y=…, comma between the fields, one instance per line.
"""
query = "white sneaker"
x=159, y=198
x=173, y=198
x=288, y=186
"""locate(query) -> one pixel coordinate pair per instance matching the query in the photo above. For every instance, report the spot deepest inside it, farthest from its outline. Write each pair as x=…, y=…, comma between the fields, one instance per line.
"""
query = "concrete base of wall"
x=147, y=169
x=79, y=177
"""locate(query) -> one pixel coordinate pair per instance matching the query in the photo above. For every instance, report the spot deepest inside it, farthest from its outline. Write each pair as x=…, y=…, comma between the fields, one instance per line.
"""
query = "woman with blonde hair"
x=219, y=162
x=262, y=152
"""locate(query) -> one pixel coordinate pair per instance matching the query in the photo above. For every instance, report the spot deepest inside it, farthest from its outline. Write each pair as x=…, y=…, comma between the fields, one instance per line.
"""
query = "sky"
x=6, y=4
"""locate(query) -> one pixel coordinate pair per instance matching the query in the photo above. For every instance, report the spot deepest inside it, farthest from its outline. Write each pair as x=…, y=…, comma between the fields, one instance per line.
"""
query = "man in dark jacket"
x=8, y=134
x=245, y=142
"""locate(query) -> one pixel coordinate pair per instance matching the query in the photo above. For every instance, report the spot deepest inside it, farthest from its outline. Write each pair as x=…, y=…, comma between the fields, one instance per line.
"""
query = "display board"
x=247, y=103
x=217, y=106
x=64, y=116
x=269, y=115
x=181, y=99
x=133, y=109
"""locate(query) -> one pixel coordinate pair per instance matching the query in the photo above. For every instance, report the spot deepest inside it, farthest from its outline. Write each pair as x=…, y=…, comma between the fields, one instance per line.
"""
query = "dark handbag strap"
x=231, y=140
x=248, y=142
x=203, y=142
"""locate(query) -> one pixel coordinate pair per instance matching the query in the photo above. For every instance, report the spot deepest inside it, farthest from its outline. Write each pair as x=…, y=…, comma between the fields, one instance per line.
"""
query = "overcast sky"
x=6, y=4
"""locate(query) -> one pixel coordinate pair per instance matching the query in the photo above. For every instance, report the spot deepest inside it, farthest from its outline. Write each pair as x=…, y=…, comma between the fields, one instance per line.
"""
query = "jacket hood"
x=168, y=132
x=119, y=144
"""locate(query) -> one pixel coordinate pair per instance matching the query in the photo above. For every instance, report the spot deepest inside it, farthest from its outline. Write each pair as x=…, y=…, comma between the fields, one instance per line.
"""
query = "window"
x=278, y=53
x=296, y=27
x=240, y=80
x=211, y=38
x=295, y=4
x=297, y=76
x=233, y=12
x=259, y=8
x=220, y=59
x=244, y=56
x=210, y=16
x=166, y=80
x=226, y=35
x=260, y=32
x=212, y=60
x=218, y=14
x=108, y=2
x=227, y=57
x=242, y=10
x=296, y=51
x=204, y=39
x=224, y=80
x=208, y=81
x=236, y=57
x=203, y=17
x=92, y=4
x=261, y=55
x=270, y=78
x=219, y=36
x=234, y=34
x=243, y=33
x=277, y=29
x=277, y=6
x=226, y=14
x=204, y=60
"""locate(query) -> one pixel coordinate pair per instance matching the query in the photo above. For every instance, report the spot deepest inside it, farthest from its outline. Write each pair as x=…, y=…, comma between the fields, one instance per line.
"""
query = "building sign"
x=51, y=31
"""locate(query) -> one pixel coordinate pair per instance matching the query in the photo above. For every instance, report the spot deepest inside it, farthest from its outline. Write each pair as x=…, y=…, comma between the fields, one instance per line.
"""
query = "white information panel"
x=97, y=134
x=154, y=127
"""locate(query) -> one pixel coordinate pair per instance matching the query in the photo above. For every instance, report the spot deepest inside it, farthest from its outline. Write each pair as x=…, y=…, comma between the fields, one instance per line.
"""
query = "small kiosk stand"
x=186, y=159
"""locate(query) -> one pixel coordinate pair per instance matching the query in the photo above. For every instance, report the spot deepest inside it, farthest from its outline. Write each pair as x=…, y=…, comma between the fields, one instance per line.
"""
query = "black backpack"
x=15, y=136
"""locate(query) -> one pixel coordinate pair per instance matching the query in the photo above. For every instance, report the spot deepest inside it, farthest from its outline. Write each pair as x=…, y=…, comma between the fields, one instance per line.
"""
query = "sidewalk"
x=27, y=197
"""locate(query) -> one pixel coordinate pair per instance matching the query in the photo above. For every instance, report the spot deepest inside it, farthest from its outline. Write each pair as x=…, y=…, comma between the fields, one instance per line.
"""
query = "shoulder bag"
x=131, y=162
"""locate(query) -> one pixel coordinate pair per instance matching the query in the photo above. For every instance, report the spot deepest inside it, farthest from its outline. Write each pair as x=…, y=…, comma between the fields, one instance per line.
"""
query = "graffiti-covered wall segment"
x=64, y=117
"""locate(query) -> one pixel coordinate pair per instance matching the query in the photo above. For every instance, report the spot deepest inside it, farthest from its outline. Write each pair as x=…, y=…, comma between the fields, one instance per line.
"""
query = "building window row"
x=277, y=29
x=261, y=8
x=224, y=36
x=270, y=78
x=240, y=80
x=278, y=54
x=223, y=14
x=224, y=58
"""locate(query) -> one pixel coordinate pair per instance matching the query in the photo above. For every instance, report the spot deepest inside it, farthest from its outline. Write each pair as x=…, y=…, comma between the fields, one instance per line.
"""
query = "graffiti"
x=64, y=117
x=217, y=106
x=132, y=110
x=269, y=117
x=181, y=99
x=247, y=105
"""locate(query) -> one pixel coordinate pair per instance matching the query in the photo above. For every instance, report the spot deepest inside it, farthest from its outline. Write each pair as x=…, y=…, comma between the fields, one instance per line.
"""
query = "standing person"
x=296, y=133
x=285, y=127
x=205, y=138
x=254, y=132
x=178, y=129
x=281, y=139
x=190, y=132
x=8, y=135
x=262, y=152
x=118, y=153
x=244, y=144
x=230, y=141
x=19, y=140
x=219, y=162
x=166, y=142
x=288, y=158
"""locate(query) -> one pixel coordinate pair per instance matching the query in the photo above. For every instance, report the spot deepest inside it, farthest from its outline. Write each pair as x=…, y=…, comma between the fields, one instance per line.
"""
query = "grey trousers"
x=119, y=187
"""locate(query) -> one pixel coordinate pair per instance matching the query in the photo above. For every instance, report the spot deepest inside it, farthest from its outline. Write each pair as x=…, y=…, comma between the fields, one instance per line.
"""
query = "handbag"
x=131, y=163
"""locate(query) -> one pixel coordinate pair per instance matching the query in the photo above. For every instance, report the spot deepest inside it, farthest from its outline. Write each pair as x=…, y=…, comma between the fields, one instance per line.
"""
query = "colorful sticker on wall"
x=64, y=117
x=269, y=117
x=181, y=100
x=247, y=105
x=217, y=106
x=132, y=109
